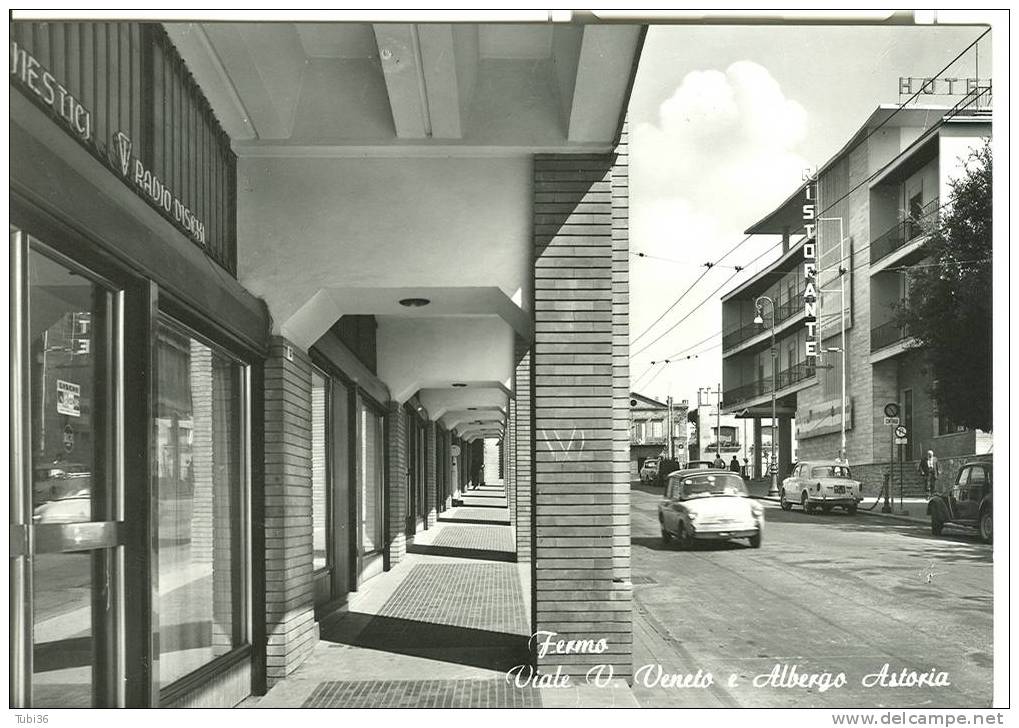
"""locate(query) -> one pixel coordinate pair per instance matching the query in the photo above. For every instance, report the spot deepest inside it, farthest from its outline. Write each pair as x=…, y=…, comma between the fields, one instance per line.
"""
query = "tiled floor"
x=423, y=694
x=438, y=630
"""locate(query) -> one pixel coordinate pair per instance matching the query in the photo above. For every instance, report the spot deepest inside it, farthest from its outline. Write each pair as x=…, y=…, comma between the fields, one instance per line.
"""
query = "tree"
x=949, y=306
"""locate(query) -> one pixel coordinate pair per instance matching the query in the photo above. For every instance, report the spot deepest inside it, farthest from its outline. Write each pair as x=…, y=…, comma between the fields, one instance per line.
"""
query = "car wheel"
x=937, y=527
x=826, y=508
x=755, y=540
x=805, y=502
x=851, y=510
x=666, y=536
x=786, y=505
x=986, y=526
x=683, y=537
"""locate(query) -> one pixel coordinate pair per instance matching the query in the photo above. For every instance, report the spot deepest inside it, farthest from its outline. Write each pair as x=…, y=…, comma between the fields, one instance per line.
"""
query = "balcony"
x=786, y=378
x=748, y=330
x=887, y=334
x=905, y=232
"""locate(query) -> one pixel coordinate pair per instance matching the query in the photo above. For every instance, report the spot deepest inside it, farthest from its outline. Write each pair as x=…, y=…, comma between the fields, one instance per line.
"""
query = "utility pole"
x=668, y=402
x=708, y=391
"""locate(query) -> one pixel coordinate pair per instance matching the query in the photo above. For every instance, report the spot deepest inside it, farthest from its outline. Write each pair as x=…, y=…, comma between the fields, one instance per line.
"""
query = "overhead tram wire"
x=702, y=303
x=873, y=131
x=900, y=107
x=692, y=285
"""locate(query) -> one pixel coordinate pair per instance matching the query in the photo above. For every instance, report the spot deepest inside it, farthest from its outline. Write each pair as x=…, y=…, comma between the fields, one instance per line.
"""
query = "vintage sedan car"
x=820, y=484
x=709, y=505
x=649, y=470
x=967, y=503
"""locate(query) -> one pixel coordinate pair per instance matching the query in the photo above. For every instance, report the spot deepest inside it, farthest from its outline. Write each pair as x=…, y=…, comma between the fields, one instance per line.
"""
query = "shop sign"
x=30, y=74
x=909, y=85
x=810, y=265
x=68, y=398
x=154, y=188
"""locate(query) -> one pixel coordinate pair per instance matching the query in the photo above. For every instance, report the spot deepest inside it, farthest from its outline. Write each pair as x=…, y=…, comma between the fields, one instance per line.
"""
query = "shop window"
x=319, y=471
x=200, y=485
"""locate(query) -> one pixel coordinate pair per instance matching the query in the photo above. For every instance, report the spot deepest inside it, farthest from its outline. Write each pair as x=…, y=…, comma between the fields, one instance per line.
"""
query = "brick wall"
x=431, y=482
x=290, y=618
x=581, y=409
x=524, y=440
x=396, y=480
x=510, y=448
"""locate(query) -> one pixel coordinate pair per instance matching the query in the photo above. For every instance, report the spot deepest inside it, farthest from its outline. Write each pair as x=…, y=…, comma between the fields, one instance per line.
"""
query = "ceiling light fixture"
x=459, y=384
x=414, y=302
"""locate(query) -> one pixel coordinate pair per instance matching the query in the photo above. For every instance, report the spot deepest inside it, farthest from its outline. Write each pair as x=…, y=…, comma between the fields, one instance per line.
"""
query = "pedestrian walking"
x=734, y=465
x=930, y=471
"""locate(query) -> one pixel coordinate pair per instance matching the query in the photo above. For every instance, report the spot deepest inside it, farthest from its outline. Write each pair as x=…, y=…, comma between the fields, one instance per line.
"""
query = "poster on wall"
x=68, y=398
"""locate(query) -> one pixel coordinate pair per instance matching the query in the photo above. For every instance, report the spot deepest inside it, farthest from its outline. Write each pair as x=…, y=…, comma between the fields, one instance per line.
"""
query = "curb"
x=875, y=514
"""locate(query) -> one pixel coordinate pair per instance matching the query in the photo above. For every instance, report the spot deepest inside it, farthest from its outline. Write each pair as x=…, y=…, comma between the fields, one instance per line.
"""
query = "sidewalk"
x=911, y=510
x=439, y=630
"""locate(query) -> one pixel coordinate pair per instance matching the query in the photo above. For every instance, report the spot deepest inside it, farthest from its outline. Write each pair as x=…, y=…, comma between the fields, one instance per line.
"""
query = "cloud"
x=721, y=153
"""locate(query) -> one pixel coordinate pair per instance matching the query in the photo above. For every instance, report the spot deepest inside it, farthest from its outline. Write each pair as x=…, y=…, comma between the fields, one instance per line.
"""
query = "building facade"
x=874, y=199
x=274, y=286
x=650, y=423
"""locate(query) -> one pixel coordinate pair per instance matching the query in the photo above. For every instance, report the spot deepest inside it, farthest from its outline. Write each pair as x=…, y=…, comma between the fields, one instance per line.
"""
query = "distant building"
x=880, y=190
x=649, y=430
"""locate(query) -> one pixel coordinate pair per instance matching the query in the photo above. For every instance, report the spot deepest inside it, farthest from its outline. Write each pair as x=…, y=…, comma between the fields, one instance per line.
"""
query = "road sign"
x=901, y=441
x=901, y=432
x=891, y=410
x=891, y=420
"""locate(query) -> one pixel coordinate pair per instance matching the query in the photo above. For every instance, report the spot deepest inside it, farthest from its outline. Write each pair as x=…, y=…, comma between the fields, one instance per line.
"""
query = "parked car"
x=701, y=464
x=967, y=503
x=820, y=484
x=649, y=470
x=58, y=479
x=709, y=505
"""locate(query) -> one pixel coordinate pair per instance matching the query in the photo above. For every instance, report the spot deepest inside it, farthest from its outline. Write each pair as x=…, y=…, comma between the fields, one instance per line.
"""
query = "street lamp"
x=759, y=320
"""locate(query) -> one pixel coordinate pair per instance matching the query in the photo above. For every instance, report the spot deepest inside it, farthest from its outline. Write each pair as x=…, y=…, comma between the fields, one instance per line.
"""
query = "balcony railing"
x=785, y=378
x=904, y=232
x=748, y=330
x=887, y=334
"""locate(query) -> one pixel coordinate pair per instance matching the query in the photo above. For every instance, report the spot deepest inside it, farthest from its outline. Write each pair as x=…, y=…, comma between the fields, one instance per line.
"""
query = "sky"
x=722, y=122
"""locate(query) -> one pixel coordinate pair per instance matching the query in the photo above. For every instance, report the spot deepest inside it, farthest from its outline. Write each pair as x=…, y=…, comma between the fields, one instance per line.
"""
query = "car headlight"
x=692, y=516
x=757, y=510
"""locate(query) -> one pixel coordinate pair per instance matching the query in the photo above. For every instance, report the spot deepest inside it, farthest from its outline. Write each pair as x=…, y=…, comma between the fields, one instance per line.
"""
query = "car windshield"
x=709, y=484
x=831, y=471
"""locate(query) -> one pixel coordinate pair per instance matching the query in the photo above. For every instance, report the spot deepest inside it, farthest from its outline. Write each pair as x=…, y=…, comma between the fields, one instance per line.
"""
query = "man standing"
x=718, y=462
x=929, y=471
x=734, y=465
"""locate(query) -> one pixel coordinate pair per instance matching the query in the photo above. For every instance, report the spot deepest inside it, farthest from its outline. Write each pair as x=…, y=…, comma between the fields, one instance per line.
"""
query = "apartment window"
x=656, y=429
x=201, y=484
x=319, y=470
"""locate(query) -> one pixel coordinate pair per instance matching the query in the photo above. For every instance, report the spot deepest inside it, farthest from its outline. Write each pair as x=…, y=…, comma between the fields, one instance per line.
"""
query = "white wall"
x=307, y=224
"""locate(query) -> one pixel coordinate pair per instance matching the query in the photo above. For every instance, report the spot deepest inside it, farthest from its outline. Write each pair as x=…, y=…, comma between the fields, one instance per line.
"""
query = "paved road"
x=826, y=594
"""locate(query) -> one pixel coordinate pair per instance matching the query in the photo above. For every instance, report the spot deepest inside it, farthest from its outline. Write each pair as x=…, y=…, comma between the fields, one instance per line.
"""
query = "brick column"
x=290, y=615
x=510, y=449
x=581, y=483
x=524, y=440
x=431, y=482
x=396, y=445
x=621, y=372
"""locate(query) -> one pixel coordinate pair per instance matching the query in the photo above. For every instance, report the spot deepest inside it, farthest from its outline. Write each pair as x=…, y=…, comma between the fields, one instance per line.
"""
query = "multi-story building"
x=713, y=432
x=873, y=198
x=650, y=430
